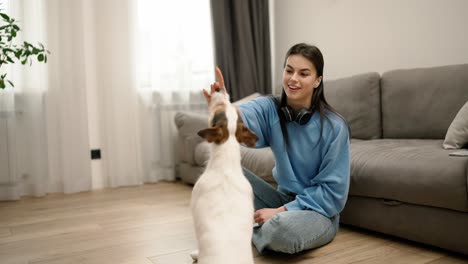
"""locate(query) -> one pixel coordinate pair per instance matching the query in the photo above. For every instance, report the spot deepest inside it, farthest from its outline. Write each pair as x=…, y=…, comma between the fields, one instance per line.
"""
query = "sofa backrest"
x=357, y=99
x=421, y=103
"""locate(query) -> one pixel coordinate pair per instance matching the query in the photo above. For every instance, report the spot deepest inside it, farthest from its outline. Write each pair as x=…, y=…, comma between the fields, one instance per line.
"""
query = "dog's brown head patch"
x=218, y=131
x=243, y=134
x=220, y=127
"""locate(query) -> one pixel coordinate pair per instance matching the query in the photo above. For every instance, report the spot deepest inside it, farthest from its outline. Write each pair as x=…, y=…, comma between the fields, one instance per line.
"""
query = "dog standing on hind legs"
x=222, y=198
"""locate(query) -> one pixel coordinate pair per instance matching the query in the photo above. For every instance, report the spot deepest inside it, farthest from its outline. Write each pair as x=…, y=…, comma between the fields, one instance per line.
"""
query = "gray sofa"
x=403, y=182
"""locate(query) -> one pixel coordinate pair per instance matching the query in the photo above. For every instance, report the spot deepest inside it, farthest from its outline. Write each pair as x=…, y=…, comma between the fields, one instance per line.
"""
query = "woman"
x=310, y=142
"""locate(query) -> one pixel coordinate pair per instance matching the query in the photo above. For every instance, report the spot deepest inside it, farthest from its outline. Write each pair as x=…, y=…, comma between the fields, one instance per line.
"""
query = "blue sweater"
x=317, y=171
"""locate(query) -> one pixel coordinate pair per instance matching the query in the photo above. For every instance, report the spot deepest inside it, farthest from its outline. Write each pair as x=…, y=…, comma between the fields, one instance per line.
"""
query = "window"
x=174, y=45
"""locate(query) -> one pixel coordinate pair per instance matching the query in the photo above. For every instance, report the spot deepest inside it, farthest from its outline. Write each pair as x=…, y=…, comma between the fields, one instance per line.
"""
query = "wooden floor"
x=152, y=224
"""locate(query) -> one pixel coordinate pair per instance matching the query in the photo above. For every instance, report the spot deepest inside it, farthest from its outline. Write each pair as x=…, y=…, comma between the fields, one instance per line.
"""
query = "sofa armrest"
x=188, y=124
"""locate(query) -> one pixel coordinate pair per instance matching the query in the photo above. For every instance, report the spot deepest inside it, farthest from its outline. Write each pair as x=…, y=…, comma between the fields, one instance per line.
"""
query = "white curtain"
x=174, y=62
x=48, y=136
x=113, y=81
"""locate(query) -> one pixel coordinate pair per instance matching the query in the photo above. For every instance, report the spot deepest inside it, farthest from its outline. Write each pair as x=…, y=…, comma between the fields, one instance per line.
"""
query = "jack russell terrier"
x=222, y=198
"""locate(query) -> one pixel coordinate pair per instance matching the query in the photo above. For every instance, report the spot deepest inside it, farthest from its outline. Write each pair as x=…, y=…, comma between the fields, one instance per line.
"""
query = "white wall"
x=373, y=35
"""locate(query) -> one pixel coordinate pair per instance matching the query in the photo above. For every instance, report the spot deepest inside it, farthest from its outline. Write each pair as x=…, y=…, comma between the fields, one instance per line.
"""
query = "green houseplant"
x=11, y=52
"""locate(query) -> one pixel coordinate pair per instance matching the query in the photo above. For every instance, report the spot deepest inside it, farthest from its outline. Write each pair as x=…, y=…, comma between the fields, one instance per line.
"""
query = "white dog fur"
x=222, y=198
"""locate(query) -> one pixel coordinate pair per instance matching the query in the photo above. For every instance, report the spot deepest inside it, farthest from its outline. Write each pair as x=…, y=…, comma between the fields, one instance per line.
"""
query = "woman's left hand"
x=263, y=215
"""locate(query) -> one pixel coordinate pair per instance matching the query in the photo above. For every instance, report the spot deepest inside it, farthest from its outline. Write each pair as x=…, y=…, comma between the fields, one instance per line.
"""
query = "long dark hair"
x=319, y=103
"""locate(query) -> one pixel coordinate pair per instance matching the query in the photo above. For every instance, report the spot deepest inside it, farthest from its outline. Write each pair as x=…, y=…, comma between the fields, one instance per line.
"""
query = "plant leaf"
x=16, y=53
x=5, y=16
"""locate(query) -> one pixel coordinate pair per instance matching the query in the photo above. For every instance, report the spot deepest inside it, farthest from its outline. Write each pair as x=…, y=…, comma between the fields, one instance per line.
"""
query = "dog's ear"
x=213, y=134
x=244, y=135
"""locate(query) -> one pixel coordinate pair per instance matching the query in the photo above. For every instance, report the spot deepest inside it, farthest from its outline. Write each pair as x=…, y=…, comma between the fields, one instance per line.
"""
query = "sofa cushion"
x=260, y=161
x=421, y=103
x=412, y=171
x=457, y=134
x=357, y=98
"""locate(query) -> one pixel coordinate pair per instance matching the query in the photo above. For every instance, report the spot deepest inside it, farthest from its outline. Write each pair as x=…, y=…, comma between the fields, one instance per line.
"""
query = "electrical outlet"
x=95, y=154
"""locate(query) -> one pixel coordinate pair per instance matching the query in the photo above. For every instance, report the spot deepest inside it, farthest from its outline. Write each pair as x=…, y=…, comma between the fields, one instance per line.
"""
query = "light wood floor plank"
x=123, y=253
x=152, y=224
x=182, y=257
x=450, y=260
x=4, y=232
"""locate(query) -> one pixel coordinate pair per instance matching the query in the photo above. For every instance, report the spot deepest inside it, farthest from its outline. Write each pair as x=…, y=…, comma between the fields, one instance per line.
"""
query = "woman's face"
x=299, y=81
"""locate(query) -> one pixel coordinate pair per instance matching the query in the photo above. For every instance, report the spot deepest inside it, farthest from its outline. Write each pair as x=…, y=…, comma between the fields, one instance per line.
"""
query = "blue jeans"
x=290, y=231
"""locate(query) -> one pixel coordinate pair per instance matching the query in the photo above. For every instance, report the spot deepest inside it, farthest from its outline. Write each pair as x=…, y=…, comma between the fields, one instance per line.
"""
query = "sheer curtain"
x=174, y=62
x=117, y=72
x=47, y=130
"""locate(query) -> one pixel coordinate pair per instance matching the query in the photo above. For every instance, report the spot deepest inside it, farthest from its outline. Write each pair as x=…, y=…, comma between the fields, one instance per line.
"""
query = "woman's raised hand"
x=216, y=86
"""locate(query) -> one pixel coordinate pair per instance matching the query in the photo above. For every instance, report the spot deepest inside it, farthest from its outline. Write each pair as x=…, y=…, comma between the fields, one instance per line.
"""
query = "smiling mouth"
x=294, y=88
